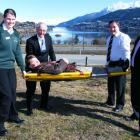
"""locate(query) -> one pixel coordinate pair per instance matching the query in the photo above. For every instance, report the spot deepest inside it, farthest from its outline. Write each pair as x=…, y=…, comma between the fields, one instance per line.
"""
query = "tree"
x=76, y=39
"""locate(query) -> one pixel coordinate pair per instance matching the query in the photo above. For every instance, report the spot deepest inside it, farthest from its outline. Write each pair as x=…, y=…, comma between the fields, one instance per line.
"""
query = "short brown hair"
x=28, y=57
x=113, y=21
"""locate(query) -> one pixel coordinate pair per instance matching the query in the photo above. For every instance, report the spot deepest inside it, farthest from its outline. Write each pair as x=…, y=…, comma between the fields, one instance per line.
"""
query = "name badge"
x=8, y=37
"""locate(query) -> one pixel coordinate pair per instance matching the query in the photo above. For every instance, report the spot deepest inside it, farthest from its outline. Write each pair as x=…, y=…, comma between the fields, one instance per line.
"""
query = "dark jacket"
x=33, y=48
x=137, y=57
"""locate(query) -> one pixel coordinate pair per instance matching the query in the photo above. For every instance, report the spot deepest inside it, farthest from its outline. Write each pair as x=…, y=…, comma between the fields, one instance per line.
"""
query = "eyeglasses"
x=40, y=30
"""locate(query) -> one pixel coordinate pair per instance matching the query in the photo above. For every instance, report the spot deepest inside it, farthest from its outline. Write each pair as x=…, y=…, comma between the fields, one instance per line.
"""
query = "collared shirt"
x=41, y=43
x=5, y=28
x=135, y=52
x=120, y=47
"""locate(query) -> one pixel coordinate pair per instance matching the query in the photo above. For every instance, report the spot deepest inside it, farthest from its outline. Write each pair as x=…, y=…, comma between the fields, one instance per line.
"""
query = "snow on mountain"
x=122, y=5
x=111, y=8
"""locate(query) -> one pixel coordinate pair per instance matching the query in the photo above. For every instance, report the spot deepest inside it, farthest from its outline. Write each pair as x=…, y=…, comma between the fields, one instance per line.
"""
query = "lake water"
x=61, y=35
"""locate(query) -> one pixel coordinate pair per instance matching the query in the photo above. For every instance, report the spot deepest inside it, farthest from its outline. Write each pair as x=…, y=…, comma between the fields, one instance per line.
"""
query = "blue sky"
x=55, y=11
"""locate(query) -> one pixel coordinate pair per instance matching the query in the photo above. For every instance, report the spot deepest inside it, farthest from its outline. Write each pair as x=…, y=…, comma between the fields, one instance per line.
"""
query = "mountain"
x=85, y=18
x=121, y=15
x=129, y=20
x=90, y=17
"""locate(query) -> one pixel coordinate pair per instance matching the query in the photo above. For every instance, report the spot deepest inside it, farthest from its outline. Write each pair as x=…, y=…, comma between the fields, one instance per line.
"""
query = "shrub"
x=99, y=41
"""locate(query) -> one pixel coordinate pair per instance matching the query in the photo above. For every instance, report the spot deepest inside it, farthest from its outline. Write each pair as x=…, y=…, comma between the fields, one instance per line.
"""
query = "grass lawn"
x=78, y=113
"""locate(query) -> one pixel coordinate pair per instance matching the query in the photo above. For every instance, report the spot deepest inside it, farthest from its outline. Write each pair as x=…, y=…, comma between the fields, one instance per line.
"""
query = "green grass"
x=78, y=114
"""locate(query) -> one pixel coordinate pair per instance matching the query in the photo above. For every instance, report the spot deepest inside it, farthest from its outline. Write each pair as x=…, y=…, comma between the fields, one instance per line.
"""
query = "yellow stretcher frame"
x=119, y=73
x=111, y=74
x=69, y=76
x=59, y=77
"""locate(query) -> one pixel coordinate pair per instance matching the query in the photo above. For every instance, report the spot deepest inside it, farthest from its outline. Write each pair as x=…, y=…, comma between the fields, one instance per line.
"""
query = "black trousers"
x=135, y=91
x=31, y=87
x=7, y=94
x=116, y=84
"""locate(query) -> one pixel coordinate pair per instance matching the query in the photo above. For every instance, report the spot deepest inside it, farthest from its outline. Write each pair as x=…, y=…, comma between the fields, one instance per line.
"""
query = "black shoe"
x=29, y=113
x=131, y=118
x=137, y=134
x=16, y=120
x=108, y=104
x=117, y=109
x=46, y=108
x=3, y=130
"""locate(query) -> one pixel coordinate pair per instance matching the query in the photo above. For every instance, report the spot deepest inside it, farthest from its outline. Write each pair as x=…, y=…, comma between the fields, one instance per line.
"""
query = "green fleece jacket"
x=10, y=51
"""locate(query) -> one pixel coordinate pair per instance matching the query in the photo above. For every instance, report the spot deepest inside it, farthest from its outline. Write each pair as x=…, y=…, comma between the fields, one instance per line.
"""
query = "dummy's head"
x=32, y=61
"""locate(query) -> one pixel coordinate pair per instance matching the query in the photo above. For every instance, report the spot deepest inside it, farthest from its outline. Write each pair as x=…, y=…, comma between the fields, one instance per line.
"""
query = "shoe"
x=117, y=109
x=16, y=120
x=137, y=134
x=108, y=104
x=29, y=113
x=3, y=130
x=46, y=108
x=131, y=118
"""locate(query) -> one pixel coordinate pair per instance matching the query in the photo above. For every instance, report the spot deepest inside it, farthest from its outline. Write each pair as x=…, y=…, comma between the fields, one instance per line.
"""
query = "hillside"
x=121, y=15
x=104, y=15
x=94, y=22
x=128, y=18
x=85, y=18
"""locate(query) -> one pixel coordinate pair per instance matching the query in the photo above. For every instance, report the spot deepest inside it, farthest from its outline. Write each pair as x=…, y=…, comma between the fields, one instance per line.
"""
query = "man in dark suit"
x=135, y=79
x=39, y=45
x=135, y=82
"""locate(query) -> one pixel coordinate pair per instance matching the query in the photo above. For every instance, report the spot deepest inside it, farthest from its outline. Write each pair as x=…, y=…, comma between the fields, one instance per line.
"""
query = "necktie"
x=109, y=48
x=42, y=43
x=43, y=47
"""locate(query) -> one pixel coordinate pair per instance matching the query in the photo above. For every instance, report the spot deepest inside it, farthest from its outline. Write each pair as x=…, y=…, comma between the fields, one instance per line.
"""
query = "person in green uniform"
x=10, y=52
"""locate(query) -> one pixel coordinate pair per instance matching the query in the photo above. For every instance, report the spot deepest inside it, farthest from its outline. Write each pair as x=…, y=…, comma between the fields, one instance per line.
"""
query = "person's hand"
x=126, y=65
x=23, y=74
x=51, y=62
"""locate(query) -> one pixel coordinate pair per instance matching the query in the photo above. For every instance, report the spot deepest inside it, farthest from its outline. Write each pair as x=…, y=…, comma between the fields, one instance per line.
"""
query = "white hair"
x=38, y=25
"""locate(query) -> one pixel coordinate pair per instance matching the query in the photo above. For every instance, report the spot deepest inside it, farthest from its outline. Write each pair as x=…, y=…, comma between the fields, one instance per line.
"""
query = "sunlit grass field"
x=78, y=113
